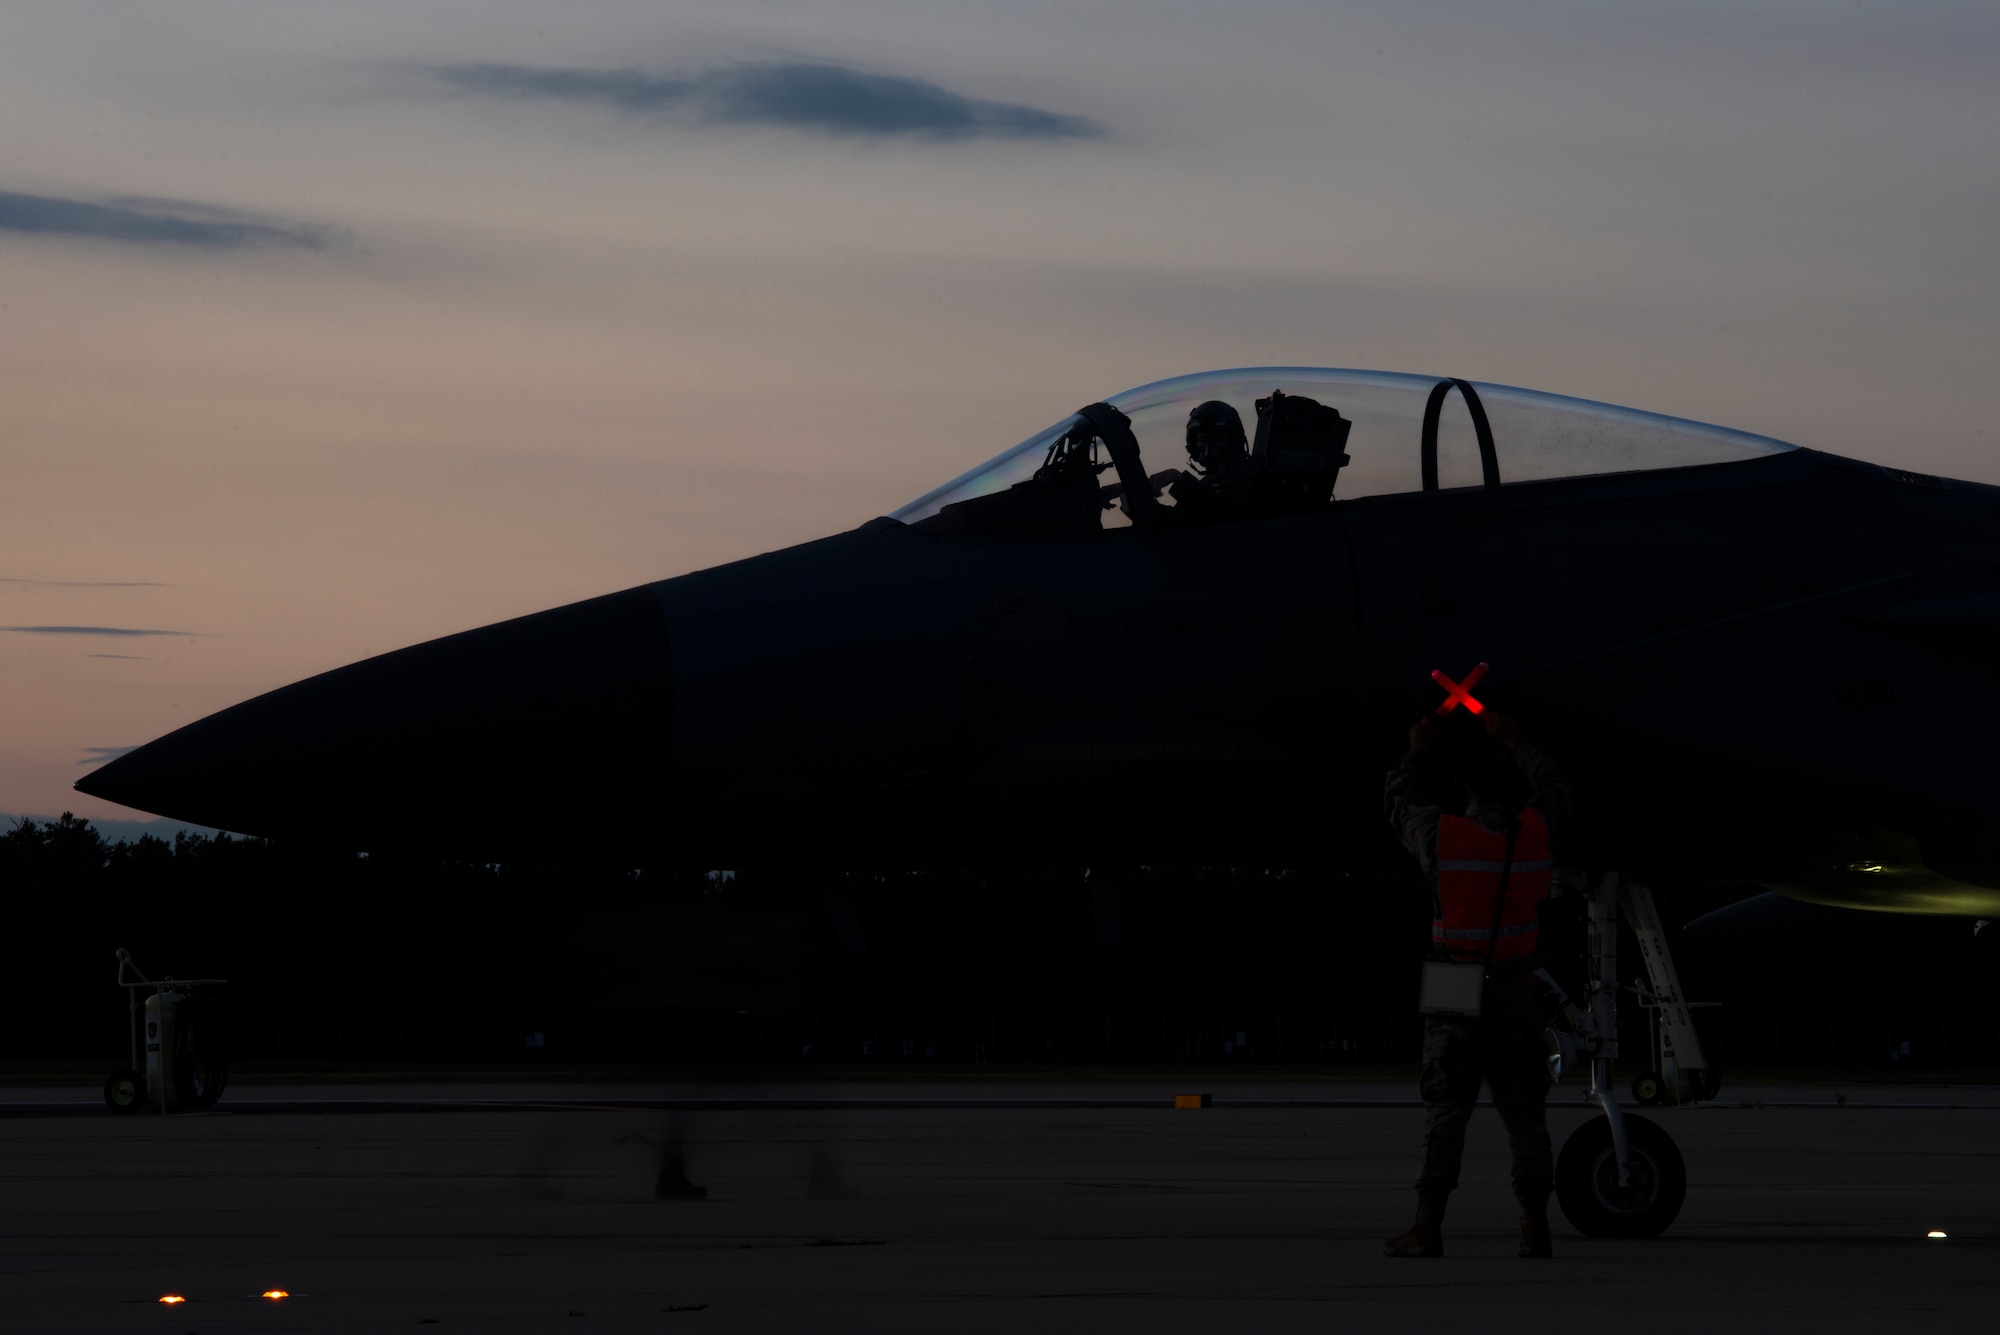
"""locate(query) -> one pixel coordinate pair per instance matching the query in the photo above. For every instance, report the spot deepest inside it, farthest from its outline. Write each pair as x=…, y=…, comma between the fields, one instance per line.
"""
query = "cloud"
x=84, y=583
x=807, y=95
x=99, y=754
x=156, y=222
x=90, y=630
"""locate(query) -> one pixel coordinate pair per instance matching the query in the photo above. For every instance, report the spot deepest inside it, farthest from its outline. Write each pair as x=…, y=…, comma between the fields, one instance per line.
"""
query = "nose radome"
x=541, y=739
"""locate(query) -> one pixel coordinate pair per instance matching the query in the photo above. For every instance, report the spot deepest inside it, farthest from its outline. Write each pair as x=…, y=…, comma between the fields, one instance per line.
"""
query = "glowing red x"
x=1460, y=693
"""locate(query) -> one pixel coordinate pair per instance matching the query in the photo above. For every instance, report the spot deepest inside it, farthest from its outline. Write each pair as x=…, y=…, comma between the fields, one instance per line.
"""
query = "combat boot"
x=1426, y=1236
x=1535, y=1242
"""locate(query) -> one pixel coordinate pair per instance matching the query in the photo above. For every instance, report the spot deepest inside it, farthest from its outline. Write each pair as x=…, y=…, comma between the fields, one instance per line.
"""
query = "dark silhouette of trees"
x=343, y=958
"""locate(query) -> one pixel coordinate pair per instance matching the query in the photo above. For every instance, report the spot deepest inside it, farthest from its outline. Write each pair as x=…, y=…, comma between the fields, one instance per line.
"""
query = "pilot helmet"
x=1214, y=430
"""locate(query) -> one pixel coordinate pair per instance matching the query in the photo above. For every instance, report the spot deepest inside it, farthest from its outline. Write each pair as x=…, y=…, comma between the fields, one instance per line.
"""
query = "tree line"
x=338, y=957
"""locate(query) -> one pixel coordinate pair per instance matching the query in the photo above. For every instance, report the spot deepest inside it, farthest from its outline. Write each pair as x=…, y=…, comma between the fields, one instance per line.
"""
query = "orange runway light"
x=172, y=1298
x=1458, y=693
x=1190, y=1100
x=275, y=1294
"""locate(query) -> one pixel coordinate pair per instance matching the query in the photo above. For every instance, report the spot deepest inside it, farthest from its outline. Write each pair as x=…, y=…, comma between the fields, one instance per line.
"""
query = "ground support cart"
x=176, y=1043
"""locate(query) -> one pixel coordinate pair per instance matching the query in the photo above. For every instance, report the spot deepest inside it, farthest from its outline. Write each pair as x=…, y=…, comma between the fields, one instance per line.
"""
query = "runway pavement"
x=885, y=1208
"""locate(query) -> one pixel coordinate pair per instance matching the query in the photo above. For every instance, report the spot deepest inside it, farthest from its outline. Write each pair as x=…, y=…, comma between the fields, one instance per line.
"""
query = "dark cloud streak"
x=90, y=630
x=807, y=95
x=156, y=222
x=84, y=583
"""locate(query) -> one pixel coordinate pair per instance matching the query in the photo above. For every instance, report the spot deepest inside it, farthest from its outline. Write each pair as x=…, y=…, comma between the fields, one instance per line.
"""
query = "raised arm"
x=1406, y=804
x=1548, y=786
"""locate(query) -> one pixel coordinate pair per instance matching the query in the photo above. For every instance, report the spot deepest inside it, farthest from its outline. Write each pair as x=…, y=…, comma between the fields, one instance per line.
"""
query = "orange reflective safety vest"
x=1470, y=859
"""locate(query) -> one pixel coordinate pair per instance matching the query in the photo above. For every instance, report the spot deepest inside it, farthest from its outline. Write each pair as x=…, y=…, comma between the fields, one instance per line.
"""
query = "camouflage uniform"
x=1503, y=1045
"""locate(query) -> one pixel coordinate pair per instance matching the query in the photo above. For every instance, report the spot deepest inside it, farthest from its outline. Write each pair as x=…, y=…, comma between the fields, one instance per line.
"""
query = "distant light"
x=172, y=1298
x=275, y=1294
x=1935, y=1233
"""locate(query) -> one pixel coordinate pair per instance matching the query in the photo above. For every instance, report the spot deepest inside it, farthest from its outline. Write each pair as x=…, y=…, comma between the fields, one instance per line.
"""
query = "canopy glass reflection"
x=1536, y=437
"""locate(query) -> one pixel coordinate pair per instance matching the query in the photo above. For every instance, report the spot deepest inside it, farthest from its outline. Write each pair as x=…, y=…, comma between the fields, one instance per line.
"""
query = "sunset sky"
x=326, y=329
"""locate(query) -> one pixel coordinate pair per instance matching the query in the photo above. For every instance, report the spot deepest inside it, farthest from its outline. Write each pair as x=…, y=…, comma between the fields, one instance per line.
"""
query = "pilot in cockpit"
x=1216, y=442
x=1219, y=451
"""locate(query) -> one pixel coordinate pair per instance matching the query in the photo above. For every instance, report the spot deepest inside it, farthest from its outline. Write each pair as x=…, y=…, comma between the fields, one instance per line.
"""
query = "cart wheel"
x=200, y=1070
x=199, y=1079
x=1704, y=1084
x=1587, y=1181
x=1647, y=1087
x=124, y=1092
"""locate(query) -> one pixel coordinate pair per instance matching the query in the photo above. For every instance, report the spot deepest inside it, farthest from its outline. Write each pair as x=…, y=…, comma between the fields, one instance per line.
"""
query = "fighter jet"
x=1190, y=622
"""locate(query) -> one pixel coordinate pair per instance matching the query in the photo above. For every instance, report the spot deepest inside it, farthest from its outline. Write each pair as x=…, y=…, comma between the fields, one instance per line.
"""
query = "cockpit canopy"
x=1320, y=433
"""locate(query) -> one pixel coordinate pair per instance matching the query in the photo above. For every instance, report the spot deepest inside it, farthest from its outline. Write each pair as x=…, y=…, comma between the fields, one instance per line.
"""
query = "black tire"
x=124, y=1092
x=200, y=1071
x=1647, y=1088
x=199, y=1078
x=1587, y=1181
x=1704, y=1084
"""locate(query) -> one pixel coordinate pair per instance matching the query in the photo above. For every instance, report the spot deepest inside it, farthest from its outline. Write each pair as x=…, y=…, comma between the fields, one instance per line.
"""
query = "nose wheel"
x=1597, y=1204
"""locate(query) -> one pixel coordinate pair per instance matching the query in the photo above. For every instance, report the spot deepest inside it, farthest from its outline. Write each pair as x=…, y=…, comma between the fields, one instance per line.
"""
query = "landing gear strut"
x=1620, y=1175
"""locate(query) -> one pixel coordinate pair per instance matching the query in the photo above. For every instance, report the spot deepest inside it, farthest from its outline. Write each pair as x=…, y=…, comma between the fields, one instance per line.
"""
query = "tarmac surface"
x=885, y=1208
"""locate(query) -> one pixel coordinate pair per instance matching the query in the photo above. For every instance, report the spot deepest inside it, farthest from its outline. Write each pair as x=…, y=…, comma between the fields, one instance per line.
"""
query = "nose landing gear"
x=1598, y=1203
x=1620, y=1175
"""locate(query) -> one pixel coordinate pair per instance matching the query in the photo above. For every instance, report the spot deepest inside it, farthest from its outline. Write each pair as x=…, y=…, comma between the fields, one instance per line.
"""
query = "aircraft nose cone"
x=544, y=739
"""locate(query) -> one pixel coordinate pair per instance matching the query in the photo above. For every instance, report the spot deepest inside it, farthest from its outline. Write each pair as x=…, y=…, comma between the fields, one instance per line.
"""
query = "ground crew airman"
x=1515, y=800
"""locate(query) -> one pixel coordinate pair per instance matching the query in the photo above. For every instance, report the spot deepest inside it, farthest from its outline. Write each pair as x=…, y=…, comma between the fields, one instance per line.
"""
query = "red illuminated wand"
x=1460, y=693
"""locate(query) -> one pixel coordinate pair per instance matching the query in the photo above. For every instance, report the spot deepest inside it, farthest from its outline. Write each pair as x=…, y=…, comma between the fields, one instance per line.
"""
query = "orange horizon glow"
x=407, y=386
